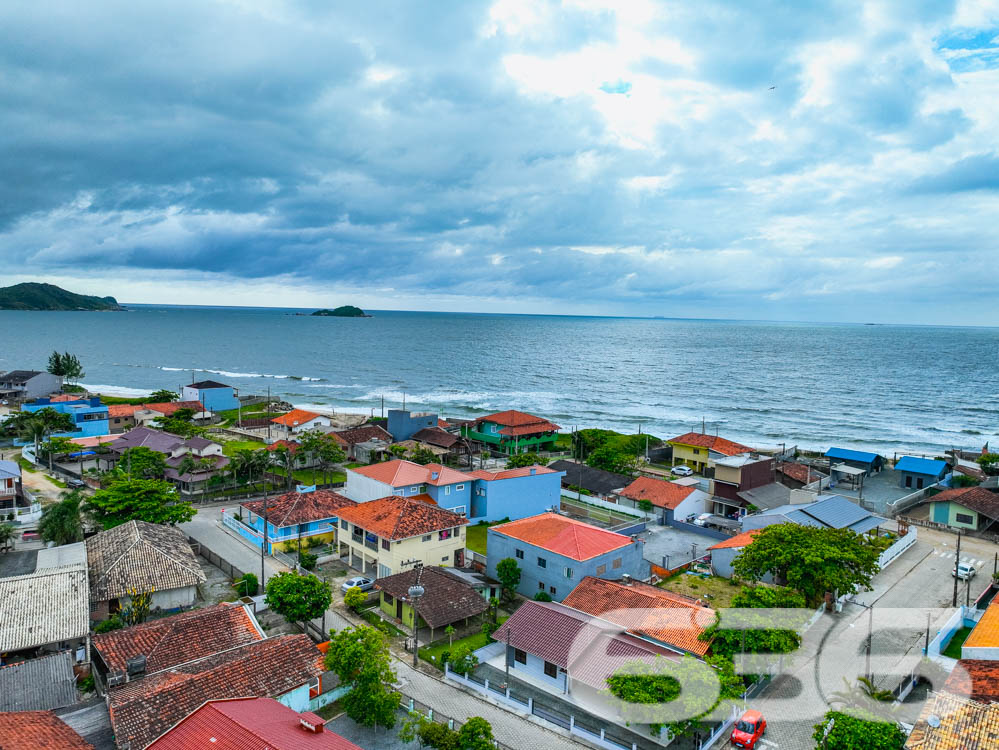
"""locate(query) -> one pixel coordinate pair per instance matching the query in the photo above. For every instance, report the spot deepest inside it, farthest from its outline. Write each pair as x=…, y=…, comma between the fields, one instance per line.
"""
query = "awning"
x=850, y=470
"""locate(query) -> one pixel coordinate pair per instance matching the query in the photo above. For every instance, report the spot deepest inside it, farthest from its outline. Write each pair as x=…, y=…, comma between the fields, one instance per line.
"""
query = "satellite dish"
x=933, y=720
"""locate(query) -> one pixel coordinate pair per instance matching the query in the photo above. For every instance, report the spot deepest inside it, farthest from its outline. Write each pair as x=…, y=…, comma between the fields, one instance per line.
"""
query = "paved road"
x=206, y=528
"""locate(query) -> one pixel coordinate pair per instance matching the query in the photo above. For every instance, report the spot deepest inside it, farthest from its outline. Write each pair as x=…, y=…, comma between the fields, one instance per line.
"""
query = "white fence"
x=899, y=546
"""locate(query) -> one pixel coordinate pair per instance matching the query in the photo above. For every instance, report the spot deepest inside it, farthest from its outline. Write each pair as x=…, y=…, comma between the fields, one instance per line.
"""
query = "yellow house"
x=698, y=451
x=390, y=535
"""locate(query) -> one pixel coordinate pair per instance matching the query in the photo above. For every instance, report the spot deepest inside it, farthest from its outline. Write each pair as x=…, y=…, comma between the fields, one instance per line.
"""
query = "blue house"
x=306, y=513
x=920, y=472
x=403, y=424
x=215, y=396
x=555, y=553
x=515, y=493
x=90, y=416
x=869, y=462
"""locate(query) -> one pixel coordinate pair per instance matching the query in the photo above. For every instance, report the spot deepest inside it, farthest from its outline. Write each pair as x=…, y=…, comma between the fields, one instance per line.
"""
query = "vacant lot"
x=713, y=591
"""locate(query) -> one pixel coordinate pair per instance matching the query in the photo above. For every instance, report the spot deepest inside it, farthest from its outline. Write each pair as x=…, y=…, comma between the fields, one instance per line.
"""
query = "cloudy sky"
x=832, y=161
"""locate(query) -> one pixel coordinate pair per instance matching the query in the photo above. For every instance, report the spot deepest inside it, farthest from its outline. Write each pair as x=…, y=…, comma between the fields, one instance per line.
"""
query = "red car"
x=748, y=729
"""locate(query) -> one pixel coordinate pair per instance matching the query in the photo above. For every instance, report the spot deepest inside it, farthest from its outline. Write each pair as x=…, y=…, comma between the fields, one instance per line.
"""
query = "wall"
x=432, y=552
x=402, y=424
x=685, y=454
x=722, y=559
x=171, y=598
x=214, y=399
x=535, y=667
x=954, y=509
x=42, y=385
x=449, y=496
x=695, y=503
x=364, y=489
x=297, y=699
x=518, y=497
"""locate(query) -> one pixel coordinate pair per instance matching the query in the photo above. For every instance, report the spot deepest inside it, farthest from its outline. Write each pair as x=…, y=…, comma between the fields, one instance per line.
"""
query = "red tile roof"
x=38, y=730
x=144, y=709
x=977, y=499
x=523, y=471
x=711, y=442
x=397, y=517
x=179, y=638
x=659, y=493
x=739, y=540
x=250, y=724
x=293, y=508
x=122, y=410
x=295, y=417
x=976, y=679
x=291, y=445
x=563, y=536
x=64, y=397
x=518, y=423
x=362, y=434
x=646, y=610
x=799, y=472
x=971, y=471
x=400, y=473
x=446, y=597
x=170, y=407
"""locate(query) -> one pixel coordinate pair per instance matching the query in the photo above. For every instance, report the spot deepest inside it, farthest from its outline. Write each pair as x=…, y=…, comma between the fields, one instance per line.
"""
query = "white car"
x=702, y=520
x=358, y=582
x=682, y=471
x=964, y=571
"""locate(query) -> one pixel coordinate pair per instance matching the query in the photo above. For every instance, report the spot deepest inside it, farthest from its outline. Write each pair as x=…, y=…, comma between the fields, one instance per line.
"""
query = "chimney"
x=135, y=666
x=311, y=722
x=434, y=474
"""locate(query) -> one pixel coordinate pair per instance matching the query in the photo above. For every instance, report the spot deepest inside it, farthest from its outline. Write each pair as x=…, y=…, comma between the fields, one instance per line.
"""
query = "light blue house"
x=514, y=493
x=555, y=553
x=403, y=424
x=920, y=472
x=90, y=416
x=304, y=514
x=213, y=395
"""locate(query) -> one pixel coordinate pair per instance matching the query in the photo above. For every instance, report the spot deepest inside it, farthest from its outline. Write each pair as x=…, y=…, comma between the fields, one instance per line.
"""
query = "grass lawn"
x=953, y=649
x=719, y=590
x=475, y=538
x=373, y=619
x=474, y=641
x=56, y=481
x=354, y=465
x=26, y=464
x=311, y=476
x=232, y=447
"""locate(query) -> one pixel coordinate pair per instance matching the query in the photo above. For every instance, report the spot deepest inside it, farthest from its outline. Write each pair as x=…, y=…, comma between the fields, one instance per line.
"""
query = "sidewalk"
x=205, y=528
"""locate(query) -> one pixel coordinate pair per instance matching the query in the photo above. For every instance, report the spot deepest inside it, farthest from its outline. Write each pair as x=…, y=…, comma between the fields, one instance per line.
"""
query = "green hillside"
x=346, y=311
x=33, y=296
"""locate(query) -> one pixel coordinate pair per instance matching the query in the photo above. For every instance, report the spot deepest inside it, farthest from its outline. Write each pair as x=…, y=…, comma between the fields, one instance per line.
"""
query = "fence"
x=994, y=538
x=610, y=515
x=412, y=705
x=703, y=530
x=899, y=546
x=904, y=503
x=218, y=561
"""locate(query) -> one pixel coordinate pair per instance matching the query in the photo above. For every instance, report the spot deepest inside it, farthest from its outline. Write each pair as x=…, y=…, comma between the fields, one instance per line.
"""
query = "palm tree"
x=62, y=522
x=283, y=457
x=6, y=535
x=866, y=697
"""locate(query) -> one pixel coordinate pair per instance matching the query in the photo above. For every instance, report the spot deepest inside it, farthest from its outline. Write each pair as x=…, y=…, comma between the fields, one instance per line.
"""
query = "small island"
x=345, y=311
x=35, y=296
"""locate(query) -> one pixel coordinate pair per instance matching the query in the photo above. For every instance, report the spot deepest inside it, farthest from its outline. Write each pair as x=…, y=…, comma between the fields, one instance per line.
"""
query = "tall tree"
x=508, y=573
x=422, y=456
x=163, y=396
x=38, y=425
x=152, y=500
x=7, y=532
x=62, y=522
x=66, y=365
x=283, y=457
x=360, y=658
x=811, y=560
x=56, y=446
x=759, y=638
x=298, y=598
x=609, y=458
x=142, y=463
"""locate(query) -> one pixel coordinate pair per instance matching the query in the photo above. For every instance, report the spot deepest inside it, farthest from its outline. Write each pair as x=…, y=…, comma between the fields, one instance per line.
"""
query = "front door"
x=398, y=608
x=459, y=558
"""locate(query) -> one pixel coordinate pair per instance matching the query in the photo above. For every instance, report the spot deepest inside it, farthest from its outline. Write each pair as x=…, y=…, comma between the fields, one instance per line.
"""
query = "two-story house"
x=671, y=500
x=555, y=553
x=512, y=432
x=699, y=450
x=214, y=395
x=191, y=463
x=403, y=424
x=25, y=385
x=514, y=493
x=391, y=534
x=90, y=416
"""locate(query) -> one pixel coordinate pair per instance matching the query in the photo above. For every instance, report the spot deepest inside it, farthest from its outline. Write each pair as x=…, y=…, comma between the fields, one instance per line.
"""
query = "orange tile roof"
x=986, y=632
x=38, y=730
x=168, y=408
x=711, y=442
x=63, y=397
x=646, y=610
x=518, y=422
x=397, y=517
x=659, y=493
x=295, y=417
x=563, y=536
x=524, y=471
x=90, y=442
x=739, y=540
x=977, y=679
x=962, y=724
x=401, y=473
x=122, y=410
x=293, y=508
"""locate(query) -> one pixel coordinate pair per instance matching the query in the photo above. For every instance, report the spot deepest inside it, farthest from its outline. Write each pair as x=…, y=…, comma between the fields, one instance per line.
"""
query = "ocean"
x=880, y=387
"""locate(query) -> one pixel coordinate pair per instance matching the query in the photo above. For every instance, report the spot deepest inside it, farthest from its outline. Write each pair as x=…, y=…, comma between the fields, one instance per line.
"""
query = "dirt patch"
x=713, y=591
x=217, y=586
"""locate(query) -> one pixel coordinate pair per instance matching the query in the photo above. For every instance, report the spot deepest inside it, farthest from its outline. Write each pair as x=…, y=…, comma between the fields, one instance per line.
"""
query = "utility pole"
x=268, y=411
x=926, y=648
x=957, y=560
x=870, y=635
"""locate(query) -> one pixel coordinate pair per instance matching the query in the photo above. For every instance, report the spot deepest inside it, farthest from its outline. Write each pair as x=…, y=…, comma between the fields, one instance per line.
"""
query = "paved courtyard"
x=675, y=545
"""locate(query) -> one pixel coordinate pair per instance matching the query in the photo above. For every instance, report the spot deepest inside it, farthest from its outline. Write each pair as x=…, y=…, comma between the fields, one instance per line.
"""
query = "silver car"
x=357, y=582
x=682, y=471
x=964, y=571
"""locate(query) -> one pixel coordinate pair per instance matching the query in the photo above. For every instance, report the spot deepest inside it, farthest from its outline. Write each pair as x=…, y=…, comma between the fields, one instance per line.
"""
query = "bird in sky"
x=772, y=88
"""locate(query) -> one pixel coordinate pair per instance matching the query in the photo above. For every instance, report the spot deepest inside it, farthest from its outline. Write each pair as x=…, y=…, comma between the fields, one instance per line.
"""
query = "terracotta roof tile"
x=295, y=417
x=400, y=473
x=397, y=517
x=674, y=619
x=522, y=471
x=518, y=422
x=986, y=633
x=977, y=499
x=799, y=472
x=38, y=730
x=293, y=508
x=362, y=434
x=739, y=540
x=171, y=407
x=659, y=493
x=446, y=598
x=711, y=442
x=122, y=410
x=962, y=725
x=178, y=639
x=976, y=679
x=563, y=536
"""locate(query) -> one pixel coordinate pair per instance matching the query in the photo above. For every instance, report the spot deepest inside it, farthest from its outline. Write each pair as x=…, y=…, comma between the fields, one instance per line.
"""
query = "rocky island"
x=35, y=296
x=345, y=311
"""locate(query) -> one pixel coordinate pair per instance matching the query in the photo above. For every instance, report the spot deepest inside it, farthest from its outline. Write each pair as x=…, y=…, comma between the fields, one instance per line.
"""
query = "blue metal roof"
x=929, y=466
x=836, y=511
x=846, y=454
x=871, y=522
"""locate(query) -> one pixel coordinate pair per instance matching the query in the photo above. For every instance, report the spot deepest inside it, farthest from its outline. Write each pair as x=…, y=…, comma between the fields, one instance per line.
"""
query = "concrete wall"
x=297, y=699
x=695, y=503
x=450, y=496
x=214, y=399
x=535, y=667
x=433, y=551
x=518, y=497
x=946, y=513
x=364, y=489
x=42, y=384
x=722, y=559
x=403, y=424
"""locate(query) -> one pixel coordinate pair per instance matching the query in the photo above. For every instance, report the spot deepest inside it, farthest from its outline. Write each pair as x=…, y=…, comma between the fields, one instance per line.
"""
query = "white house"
x=298, y=421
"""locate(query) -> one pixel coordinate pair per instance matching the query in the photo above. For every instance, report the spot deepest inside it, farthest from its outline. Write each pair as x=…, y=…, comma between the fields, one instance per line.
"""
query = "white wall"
x=364, y=489
x=694, y=503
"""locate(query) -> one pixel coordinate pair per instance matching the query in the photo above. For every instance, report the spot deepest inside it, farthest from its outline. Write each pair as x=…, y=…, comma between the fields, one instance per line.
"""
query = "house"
x=121, y=418
x=512, y=432
x=595, y=482
x=983, y=641
x=390, y=534
x=284, y=667
x=918, y=473
x=739, y=473
x=486, y=587
x=168, y=641
x=298, y=421
x=973, y=508
x=447, y=487
x=723, y=553
x=90, y=416
x=674, y=501
x=15, y=503
x=975, y=679
x=826, y=511
x=367, y=433
x=569, y=651
x=38, y=684
x=31, y=730
x=27, y=385
x=795, y=475
x=149, y=413
x=192, y=462
x=555, y=552
x=446, y=599
x=667, y=619
x=251, y=724
x=514, y=493
x=141, y=556
x=306, y=513
x=699, y=450
x=402, y=424
x=870, y=463
x=950, y=722
x=46, y=611
x=215, y=396
x=444, y=443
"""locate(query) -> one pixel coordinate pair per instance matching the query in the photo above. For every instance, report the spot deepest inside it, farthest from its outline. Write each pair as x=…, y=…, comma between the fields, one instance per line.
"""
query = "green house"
x=447, y=600
x=971, y=508
x=513, y=432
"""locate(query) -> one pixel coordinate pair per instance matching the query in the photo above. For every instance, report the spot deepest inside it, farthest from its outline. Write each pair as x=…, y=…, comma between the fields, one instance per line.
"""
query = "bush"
x=355, y=598
x=86, y=684
x=112, y=623
x=488, y=628
x=307, y=560
x=313, y=541
x=248, y=585
x=542, y=596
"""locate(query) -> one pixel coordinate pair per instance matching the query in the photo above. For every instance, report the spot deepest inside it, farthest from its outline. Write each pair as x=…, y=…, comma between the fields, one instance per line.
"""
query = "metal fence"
x=215, y=559
x=408, y=703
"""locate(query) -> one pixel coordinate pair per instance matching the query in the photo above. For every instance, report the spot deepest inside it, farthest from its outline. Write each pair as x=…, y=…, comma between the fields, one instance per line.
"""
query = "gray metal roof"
x=836, y=511
x=768, y=496
x=38, y=684
x=9, y=469
x=871, y=522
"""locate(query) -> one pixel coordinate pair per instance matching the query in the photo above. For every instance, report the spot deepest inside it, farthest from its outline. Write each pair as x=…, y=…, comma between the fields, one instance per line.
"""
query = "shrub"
x=355, y=598
x=248, y=585
x=307, y=560
x=112, y=623
x=86, y=684
x=542, y=596
x=313, y=541
x=488, y=628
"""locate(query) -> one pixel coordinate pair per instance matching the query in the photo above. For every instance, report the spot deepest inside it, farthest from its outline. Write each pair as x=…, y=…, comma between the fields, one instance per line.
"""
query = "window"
x=551, y=670
x=542, y=562
x=447, y=489
x=964, y=518
x=697, y=451
x=616, y=563
x=387, y=597
x=428, y=537
x=908, y=481
x=601, y=569
x=567, y=572
x=520, y=656
x=442, y=535
x=460, y=510
x=344, y=525
x=541, y=585
x=444, y=559
x=481, y=492
x=519, y=554
x=423, y=488
x=414, y=490
x=551, y=590
x=459, y=488
x=386, y=544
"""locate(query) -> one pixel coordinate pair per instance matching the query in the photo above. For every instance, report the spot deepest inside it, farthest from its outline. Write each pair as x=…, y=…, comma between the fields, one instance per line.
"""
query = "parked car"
x=702, y=520
x=75, y=483
x=359, y=582
x=964, y=571
x=682, y=471
x=748, y=729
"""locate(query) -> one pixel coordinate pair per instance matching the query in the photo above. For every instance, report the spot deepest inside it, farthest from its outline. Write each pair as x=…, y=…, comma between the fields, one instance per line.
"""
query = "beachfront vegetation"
x=36, y=426
x=152, y=500
x=66, y=365
x=32, y=295
x=519, y=460
x=163, y=396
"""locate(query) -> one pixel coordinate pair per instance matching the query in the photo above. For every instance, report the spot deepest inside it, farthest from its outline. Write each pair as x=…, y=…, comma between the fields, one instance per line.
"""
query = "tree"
x=508, y=573
x=865, y=700
x=608, y=458
x=761, y=639
x=323, y=451
x=58, y=445
x=163, y=396
x=283, y=457
x=66, y=365
x=38, y=425
x=476, y=734
x=247, y=585
x=422, y=456
x=62, y=522
x=177, y=426
x=298, y=598
x=449, y=632
x=6, y=535
x=520, y=460
x=152, y=500
x=963, y=480
x=811, y=560
x=989, y=463
x=542, y=596
x=645, y=505
x=360, y=658
x=853, y=733
x=355, y=598
x=137, y=609
x=399, y=451
x=143, y=463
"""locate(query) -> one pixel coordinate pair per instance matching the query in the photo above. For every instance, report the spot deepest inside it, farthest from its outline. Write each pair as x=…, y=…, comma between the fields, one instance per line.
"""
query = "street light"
x=415, y=592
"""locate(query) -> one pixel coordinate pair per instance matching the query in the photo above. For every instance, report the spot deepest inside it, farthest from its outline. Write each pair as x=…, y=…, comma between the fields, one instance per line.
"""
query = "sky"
x=828, y=161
